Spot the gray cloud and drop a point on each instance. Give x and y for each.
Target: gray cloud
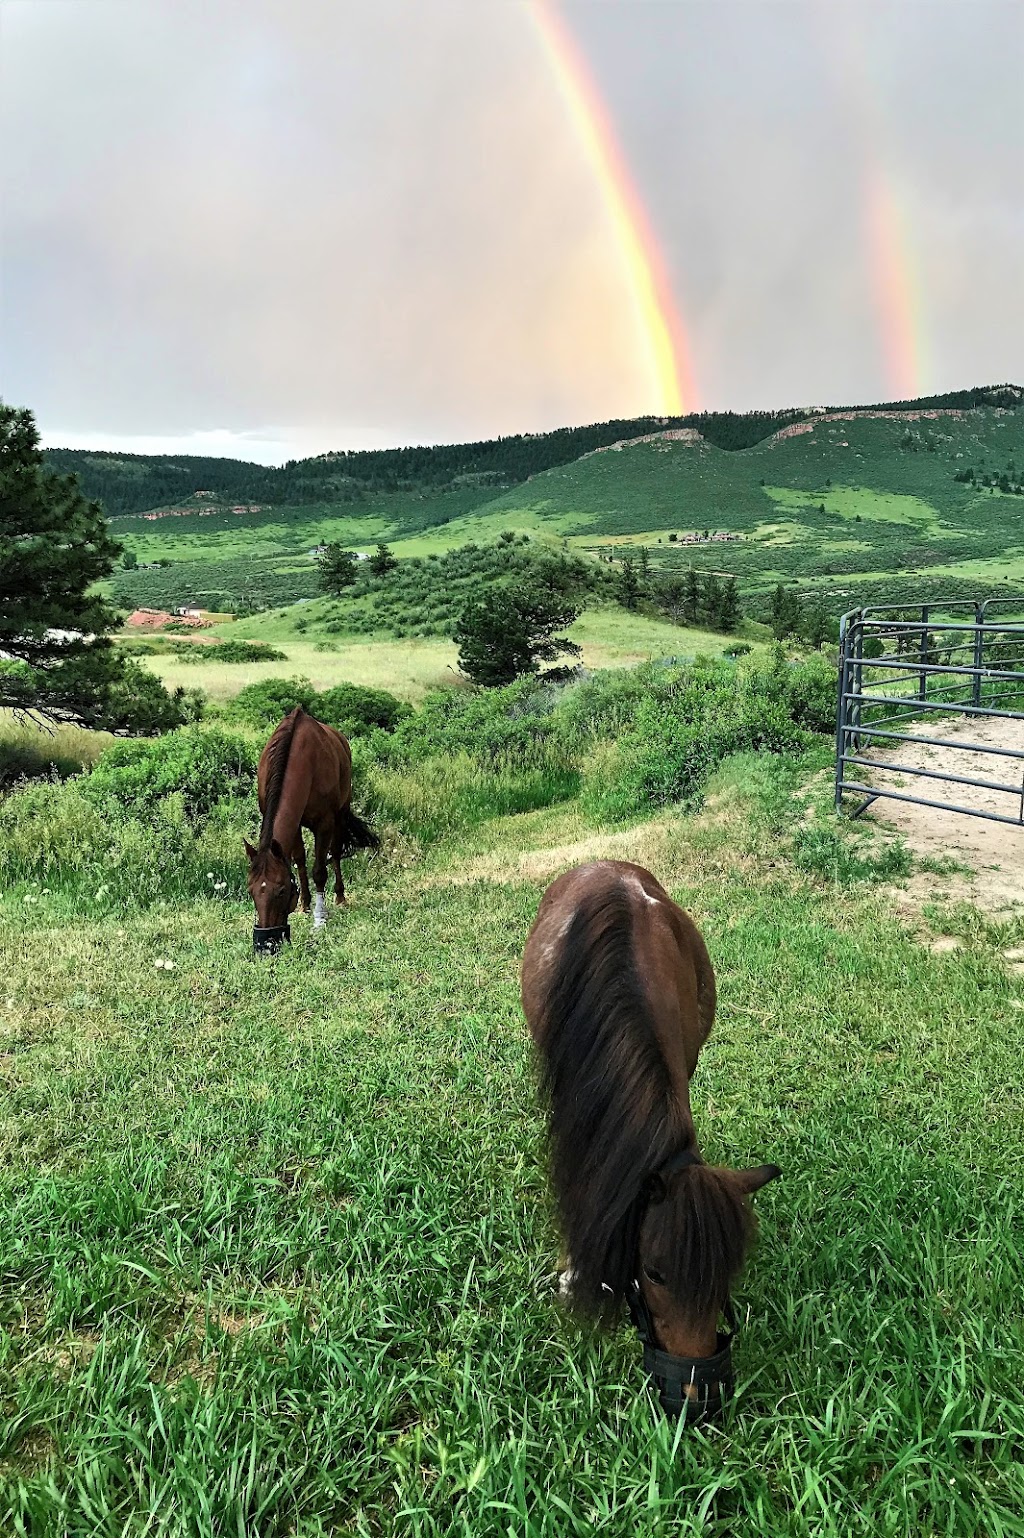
(333, 223)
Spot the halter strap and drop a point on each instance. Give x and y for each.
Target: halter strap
(710, 1377)
(679, 1161)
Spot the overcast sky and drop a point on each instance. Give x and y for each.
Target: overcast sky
(274, 227)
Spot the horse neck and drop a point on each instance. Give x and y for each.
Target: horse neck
(283, 816)
(287, 818)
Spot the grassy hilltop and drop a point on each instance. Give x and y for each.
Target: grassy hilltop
(924, 498)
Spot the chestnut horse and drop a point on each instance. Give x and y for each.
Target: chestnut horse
(619, 994)
(304, 780)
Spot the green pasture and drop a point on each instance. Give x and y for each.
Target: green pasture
(857, 503)
(277, 1251)
(610, 637)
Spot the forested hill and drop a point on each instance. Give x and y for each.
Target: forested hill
(137, 483)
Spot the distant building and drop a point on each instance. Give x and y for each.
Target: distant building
(156, 619)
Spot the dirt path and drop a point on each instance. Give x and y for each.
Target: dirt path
(992, 853)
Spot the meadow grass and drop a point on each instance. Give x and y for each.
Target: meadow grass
(277, 1253)
(29, 747)
(610, 637)
(408, 668)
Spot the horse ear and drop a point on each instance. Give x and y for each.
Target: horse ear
(276, 850)
(752, 1180)
(250, 851)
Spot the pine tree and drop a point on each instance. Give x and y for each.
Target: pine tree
(382, 561)
(691, 603)
(54, 628)
(729, 611)
(786, 615)
(816, 625)
(644, 567)
(711, 601)
(508, 633)
(337, 569)
(671, 595)
(629, 587)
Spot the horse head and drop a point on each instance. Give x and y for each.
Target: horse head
(692, 1242)
(273, 889)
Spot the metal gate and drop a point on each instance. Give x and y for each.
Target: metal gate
(908, 678)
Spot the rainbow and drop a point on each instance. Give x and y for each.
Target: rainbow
(894, 274)
(897, 290)
(659, 320)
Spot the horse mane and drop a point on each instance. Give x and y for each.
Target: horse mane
(278, 752)
(614, 1121)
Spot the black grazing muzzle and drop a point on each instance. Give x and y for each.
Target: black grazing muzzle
(710, 1379)
(267, 942)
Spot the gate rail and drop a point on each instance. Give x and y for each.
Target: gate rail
(961, 666)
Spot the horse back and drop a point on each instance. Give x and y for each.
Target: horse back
(312, 763)
(616, 903)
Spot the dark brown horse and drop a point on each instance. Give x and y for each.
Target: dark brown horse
(619, 993)
(304, 780)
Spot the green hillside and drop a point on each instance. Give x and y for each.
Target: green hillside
(879, 502)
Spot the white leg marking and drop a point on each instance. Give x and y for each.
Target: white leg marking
(319, 911)
(566, 1280)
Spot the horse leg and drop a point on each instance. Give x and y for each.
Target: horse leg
(339, 880)
(299, 856)
(321, 844)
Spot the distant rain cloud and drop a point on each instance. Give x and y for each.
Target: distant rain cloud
(274, 228)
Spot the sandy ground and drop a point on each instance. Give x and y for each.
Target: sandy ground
(991, 853)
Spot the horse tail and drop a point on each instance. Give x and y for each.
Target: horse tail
(611, 1118)
(353, 833)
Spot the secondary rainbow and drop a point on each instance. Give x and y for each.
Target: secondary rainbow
(897, 290)
(893, 269)
(658, 316)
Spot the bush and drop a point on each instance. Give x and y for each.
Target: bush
(227, 651)
(264, 704)
(357, 711)
(681, 733)
(484, 724)
(349, 708)
(203, 767)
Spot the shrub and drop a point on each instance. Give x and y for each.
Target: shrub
(264, 704)
(349, 708)
(203, 767)
(482, 723)
(227, 651)
(680, 734)
(357, 711)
